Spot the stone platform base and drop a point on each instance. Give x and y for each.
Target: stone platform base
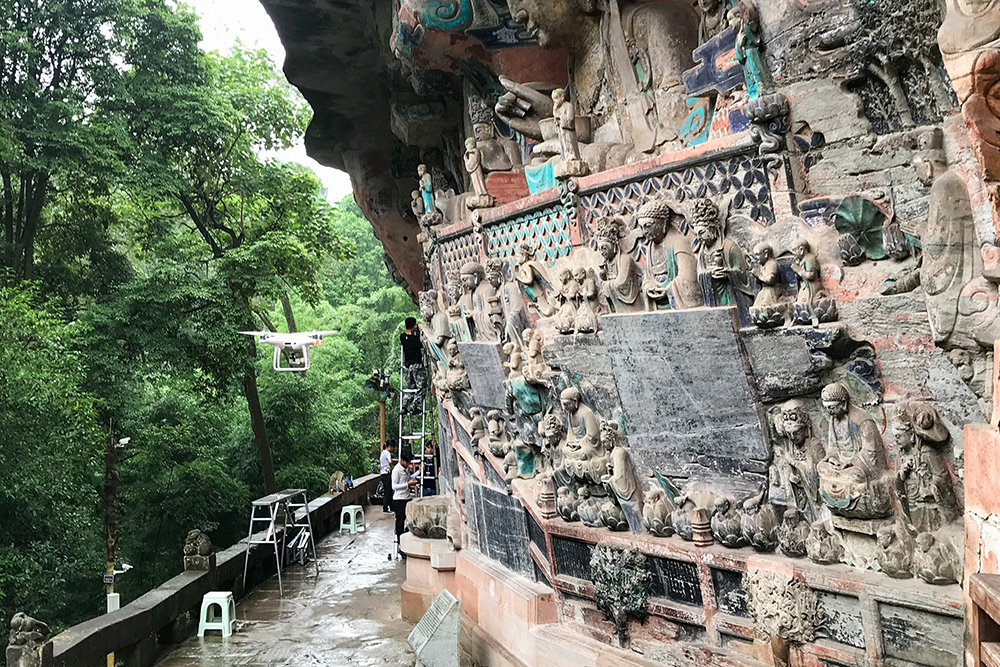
(430, 568)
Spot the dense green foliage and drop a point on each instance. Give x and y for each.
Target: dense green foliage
(141, 231)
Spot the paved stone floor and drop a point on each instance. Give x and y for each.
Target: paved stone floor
(348, 616)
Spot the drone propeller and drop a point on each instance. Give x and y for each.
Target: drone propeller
(257, 333)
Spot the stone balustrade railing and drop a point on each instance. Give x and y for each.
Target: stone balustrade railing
(141, 631)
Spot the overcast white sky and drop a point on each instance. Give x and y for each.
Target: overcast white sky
(225, 21)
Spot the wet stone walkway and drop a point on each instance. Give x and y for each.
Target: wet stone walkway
(348, 616)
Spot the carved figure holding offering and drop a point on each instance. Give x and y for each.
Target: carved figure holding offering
(767, 310)
(723, 273)
(853, 475)
(525, 456)
(583, 457)
(565, 115)
(797, 457)
(670, 279)
(491, 293)
(922, 478)
(745, 19)
(531, 275)
(812, 305)
(619, 274)
(417, 204)
(474, 167)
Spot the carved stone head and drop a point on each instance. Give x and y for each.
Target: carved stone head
(428, 304)
(793, 422)
(886, 536)
(472, 274)
(608, 235)
(800, 249)
(705, 220)
(421, 170)
(655, 218)
(763, 252)
(570, 400)
(494, 272)
(791, 517)
(836, 400)
(454, 285)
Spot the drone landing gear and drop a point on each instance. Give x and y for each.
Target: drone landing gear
(298, 359)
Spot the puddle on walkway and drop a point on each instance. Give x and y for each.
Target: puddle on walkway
(348, 616)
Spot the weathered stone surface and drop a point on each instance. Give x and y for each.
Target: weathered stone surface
(572, 557)
(840, 618)
(485, 368)
(730, 593)
(581, 361)
(789, 362)
(428, 517)
(689, 410)
(940, 637)
(501, 529)
(675, 580)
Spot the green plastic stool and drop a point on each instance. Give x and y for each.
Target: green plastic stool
(224, 620)
(349, 519)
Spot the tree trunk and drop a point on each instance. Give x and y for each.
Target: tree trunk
(937, 84)
(286, 306)
(257, 424)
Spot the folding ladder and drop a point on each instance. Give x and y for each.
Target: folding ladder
(281, 511)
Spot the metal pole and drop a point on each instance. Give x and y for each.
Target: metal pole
(110, 519)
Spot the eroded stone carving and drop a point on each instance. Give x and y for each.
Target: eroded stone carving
(726, 524)
(936, 561)
(197, 551)
(923, 481)
(497, 436)
(824, 545)
(656, 513)
(759, 523)
(533, 278)
(796, 457)
(570, 164)
(793, 534)
(627, 62)
(895, 551)
(622, 585)
(27, 632)
(783, 609)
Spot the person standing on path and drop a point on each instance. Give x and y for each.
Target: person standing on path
(385, 470)
(414, 373)
(402, 484)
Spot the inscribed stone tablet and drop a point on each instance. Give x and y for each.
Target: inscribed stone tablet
(730, 594)
(435, 637)
(675, 580)
(940, 637)
(688, 407)
(502, 529)
(485, 368)
(841, 619)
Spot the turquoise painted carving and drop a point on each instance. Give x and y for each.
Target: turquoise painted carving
(445, 15)
(547, 229)
(540, 178)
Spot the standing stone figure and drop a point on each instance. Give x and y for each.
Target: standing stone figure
(569, 144)
(426, 188)
(767, 310)
(796, 459)
(619, 274)
(671, 273)
(723, 273)
(714, 18)
(474, 167)
(812, 305)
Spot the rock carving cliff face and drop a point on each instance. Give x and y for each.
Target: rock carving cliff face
(338, 56)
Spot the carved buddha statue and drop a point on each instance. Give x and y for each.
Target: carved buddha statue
(626, 62)
(671, 273)
(583, 457)
(852, 477)
(723, 272)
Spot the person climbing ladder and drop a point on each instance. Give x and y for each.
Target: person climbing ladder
(414, 372)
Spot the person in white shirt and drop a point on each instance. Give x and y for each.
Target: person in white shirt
(385, 470)
(403, 481)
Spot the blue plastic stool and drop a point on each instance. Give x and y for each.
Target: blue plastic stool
(349, 518)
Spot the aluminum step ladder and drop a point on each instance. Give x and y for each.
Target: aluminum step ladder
(284, 511)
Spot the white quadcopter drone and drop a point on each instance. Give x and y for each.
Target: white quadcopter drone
(295, 345)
